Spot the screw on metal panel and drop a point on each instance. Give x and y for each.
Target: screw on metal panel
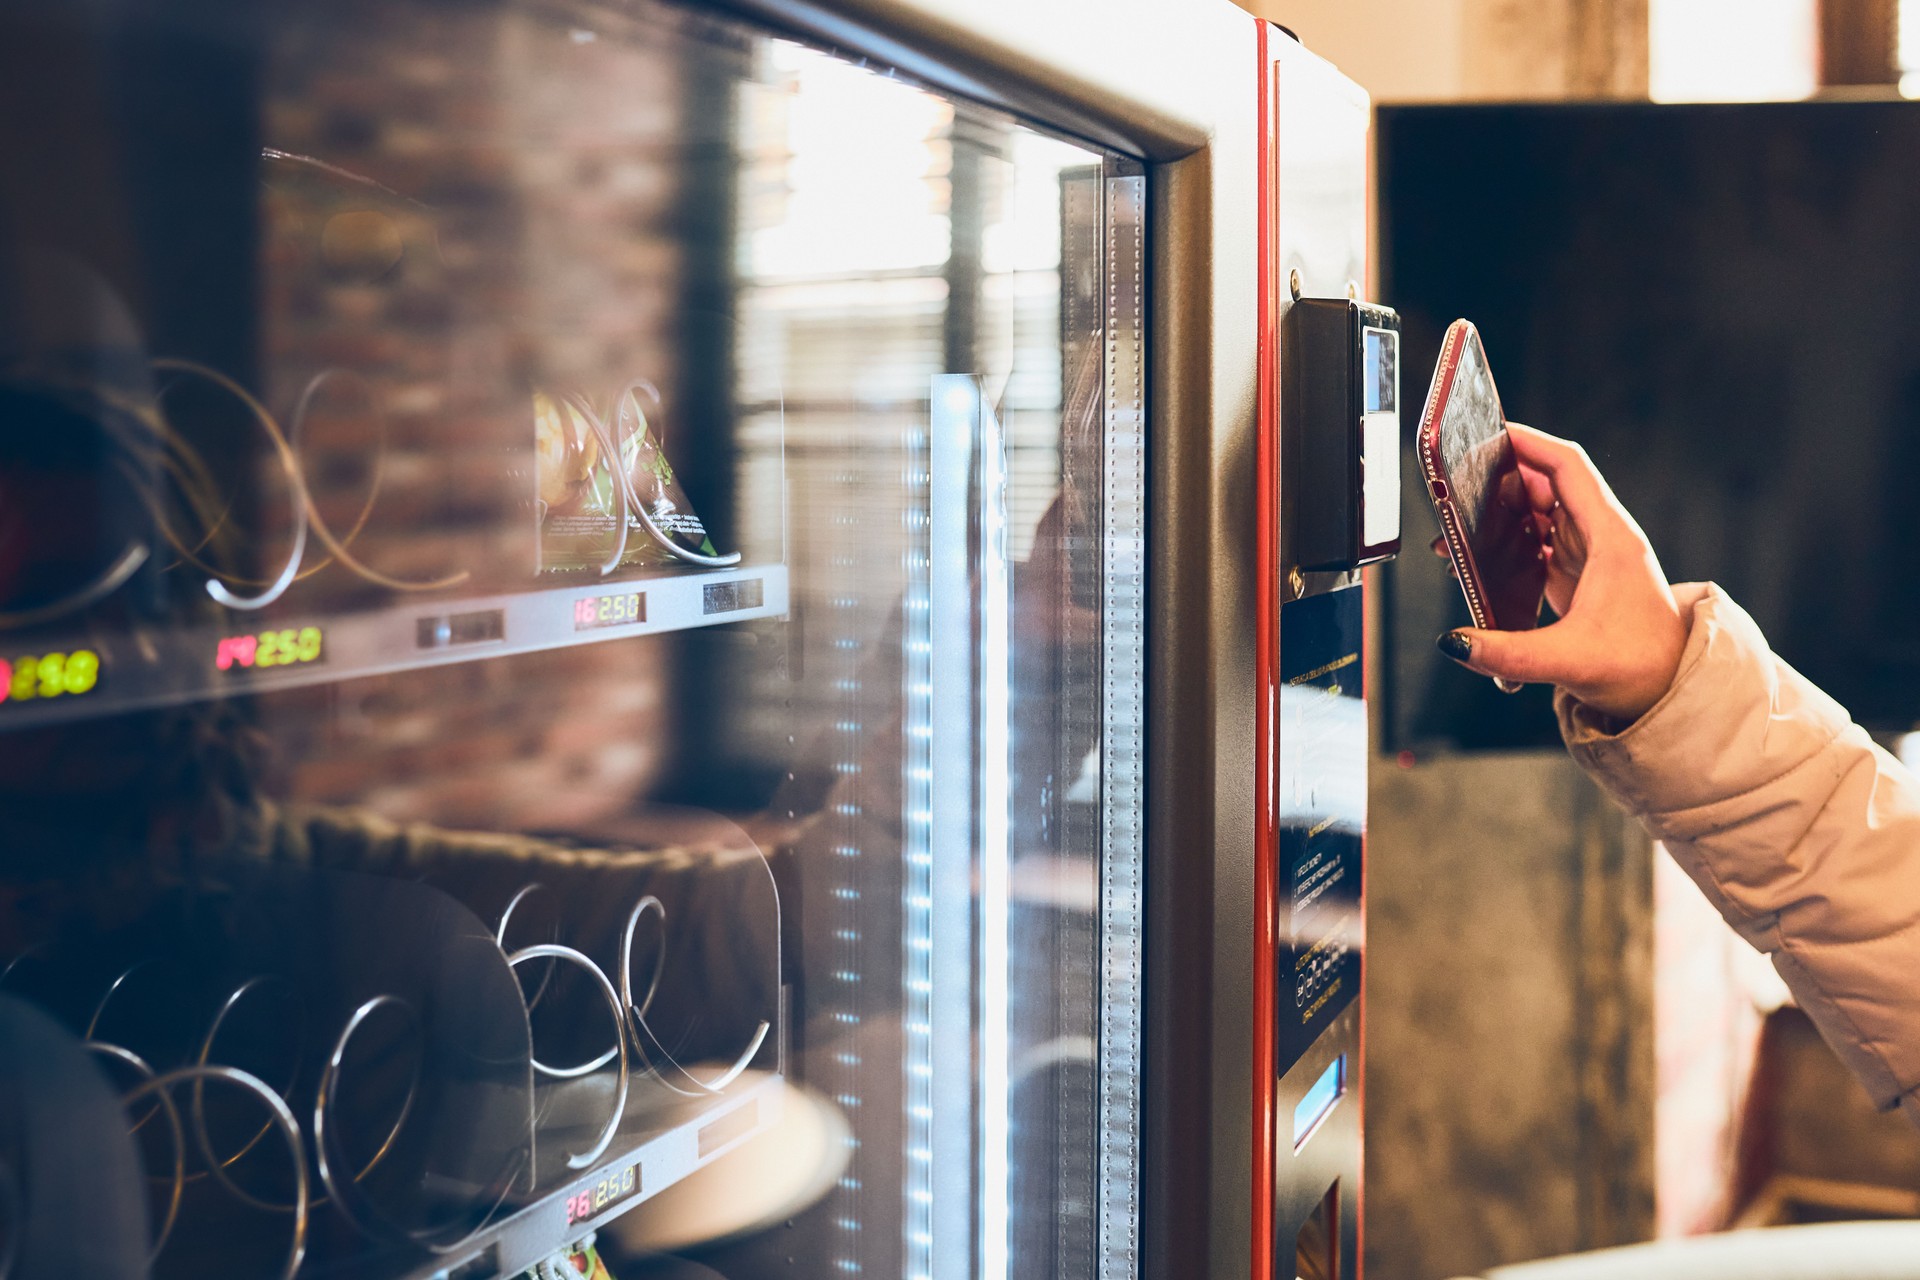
(1293, 283)
(1296, 581)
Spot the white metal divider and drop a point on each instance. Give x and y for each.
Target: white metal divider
(1123, 719)
(995, 854)
(957, 1072)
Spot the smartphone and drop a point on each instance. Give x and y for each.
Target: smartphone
(1467, 460)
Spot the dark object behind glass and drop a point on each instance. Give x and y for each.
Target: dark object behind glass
(1715, 301)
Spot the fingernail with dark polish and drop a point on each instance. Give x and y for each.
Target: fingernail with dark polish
(1456, 645)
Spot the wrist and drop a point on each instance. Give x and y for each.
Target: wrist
(1621, 703)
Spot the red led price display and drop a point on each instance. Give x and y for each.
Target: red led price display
(51, 675)
(609, 611)
(612, 1189)
(288, 648)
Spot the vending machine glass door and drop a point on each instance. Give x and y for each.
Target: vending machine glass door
(572, 601)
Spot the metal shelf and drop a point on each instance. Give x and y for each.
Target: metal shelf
(169, 668)
(657, 1160)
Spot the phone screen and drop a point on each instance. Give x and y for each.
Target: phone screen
(1477, 458)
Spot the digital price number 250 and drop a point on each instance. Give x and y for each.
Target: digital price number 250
(51, 675)
(287, 648)
(616, 1186)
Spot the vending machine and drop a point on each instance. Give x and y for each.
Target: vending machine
(682, 640)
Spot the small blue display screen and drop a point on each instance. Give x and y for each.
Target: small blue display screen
(1318, 1100)
(1380, 370)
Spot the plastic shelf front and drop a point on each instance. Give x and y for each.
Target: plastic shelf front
(656, 1161)
(48, 678)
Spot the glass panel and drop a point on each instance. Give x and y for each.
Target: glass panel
(571, 652)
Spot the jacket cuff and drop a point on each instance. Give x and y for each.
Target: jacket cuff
(1734, 718)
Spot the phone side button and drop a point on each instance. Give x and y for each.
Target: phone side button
(1439, 489)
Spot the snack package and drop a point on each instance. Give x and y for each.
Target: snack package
(581, 1262)
(608, 498)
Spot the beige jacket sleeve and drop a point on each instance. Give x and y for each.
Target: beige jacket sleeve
(1801, 831)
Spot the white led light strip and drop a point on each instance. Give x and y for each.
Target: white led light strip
(940, 1081)
(916, 907)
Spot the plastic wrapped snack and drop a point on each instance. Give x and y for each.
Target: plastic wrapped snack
(608, 496)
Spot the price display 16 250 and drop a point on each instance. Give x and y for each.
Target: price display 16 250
(285, 648)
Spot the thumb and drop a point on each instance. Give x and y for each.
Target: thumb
(1548, 654)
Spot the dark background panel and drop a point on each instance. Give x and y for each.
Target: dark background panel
(1718, 302)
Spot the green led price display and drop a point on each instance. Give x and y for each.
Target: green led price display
(51, 675)
(609, 611)
(288, 648)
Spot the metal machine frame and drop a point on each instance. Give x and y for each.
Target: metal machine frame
(1191, 90)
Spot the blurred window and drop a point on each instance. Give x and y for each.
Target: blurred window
(1734, 50)
(1909, 52)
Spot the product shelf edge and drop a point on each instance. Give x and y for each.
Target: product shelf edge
(170, 668)
(539, 1230)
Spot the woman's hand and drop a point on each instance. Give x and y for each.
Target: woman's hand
(1621, 628)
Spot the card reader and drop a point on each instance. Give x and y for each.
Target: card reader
(1340, 409)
